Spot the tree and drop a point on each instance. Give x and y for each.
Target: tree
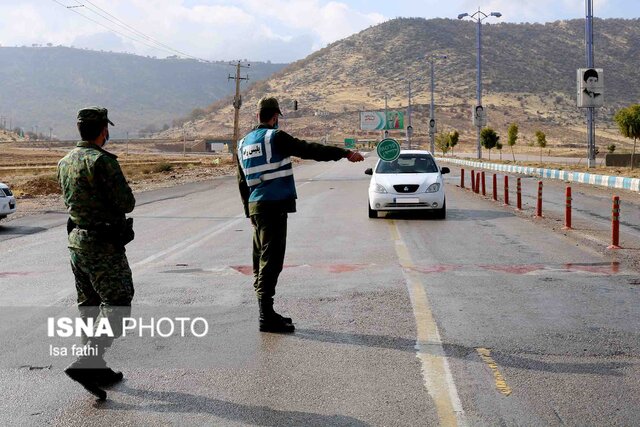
(611, 148)
(488, 139)
(541, 139)
(512, 138)
(499, 148)
(628, 121)
(453, 139)
(442, 142)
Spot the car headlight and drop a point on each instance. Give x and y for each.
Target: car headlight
(433, 188)
(379, 189)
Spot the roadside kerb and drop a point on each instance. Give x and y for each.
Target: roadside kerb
(620, 182)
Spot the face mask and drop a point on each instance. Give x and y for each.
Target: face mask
(106, 139)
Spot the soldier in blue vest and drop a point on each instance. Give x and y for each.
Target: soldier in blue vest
(267, 188)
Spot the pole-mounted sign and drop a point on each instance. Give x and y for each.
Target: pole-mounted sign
(590, 86)
(432, 126)
(479, 116)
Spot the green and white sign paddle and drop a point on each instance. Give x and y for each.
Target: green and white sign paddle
(388, 150)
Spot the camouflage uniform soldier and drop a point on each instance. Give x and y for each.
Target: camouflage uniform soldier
(97, 197)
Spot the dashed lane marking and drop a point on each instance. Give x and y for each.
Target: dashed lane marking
(501, 383)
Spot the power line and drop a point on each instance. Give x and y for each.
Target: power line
(129, 28)
(134, 37)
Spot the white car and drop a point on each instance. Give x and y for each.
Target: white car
(7, 201)
(411, 182)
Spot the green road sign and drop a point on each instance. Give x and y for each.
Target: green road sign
(388, 150)
(349, 143)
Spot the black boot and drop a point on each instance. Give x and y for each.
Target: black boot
(106, 377)
(86, 378)
(270, 321)
(284, 319)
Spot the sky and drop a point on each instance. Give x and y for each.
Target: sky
(258, 30)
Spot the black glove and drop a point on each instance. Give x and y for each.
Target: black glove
(128, 234)
(70, 225)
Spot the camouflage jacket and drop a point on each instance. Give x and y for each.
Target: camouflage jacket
(95, 192)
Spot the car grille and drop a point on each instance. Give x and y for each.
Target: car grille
(408, 205)
(406, 188)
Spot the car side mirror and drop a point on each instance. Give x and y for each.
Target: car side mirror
(445, 170)
(368, 171)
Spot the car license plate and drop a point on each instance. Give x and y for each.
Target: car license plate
(407, 200)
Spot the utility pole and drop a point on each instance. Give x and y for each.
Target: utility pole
(184, 142)
(127, 143)
(591, 133)
(432, 107)
(237, 103)
(385, 132)
(409, 127)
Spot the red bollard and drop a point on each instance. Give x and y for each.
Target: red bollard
(519, 194)
(539, 204)
(473, 180)
(506, 190)
(461, 178)
(615, 224)
(484, 186)
(567, 211)
(495, 187)
(477, 189)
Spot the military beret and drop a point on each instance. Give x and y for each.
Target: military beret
(90, 114)
(269, 102)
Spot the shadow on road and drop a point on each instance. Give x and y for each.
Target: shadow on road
(463, 352)
(466, 214)
(452, 215)
(19, 230)
(178, 402)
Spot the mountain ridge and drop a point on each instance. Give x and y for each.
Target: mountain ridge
(45, 86)
(529, 76)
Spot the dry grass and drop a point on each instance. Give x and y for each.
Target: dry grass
(31, 171)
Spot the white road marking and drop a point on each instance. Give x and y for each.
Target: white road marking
(435, 367)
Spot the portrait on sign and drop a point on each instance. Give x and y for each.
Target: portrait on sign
(590, 85)
(478, 116)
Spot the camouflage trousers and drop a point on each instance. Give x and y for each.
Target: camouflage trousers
(105, 290)
(102, 278)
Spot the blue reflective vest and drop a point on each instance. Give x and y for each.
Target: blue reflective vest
(269, 175)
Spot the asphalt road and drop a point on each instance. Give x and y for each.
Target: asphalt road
(486, 318)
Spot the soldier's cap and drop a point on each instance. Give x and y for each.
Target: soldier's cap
(93, 114)
(269, 102)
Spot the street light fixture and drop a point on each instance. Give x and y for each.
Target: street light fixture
(432, 117)
(479, 16)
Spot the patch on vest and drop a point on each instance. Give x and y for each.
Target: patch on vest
(251, 151)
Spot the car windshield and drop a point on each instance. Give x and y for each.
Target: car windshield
(409, 163)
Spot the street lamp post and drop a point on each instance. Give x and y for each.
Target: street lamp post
(409, 126)
(479, 16)
(591, 138)
(432, 108)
